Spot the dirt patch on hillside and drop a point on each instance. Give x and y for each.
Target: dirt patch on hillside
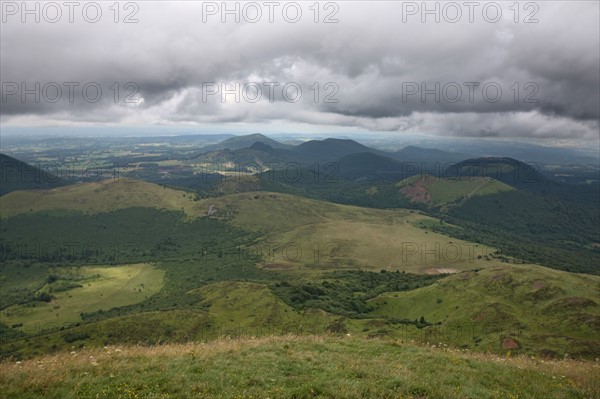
(441, 270)
(544, 291)
(417, 191)
(466, 275)
(501, 277)
(500, 280)
(539, 284)
(510, 343)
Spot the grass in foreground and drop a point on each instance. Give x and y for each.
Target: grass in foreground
(292, 367)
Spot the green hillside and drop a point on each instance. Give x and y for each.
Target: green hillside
(530, 227)
(294, 230)
(107, 195)
(440, 191)
(528, 310)
(183, 268)
(303, 231)
(17, 175)
(239, 142)
(69, 292)
(519, 308)
(329, 149)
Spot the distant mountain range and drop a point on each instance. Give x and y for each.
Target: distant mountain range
(356, 161)
(242, 149)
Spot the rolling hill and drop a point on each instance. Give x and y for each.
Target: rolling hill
(507, 170)
(435, 191)
(239, 142)
(16, 175)
(317, 232)
(263, 262)
(329, 150)
(500, 202)
(525, 176)
(255, 158)
(520, 308)
(104, 196)
(325, 233)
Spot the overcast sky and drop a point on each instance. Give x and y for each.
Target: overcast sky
(370, 68)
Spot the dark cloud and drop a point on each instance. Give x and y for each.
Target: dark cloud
(371, 56)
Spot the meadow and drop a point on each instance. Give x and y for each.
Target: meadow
(515, 307)
(326, 366)
(342, 236)
(98, 197)
(443, 191)
(182, 268)
(72, 291)
(318, 233)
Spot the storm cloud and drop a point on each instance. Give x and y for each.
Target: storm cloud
(530, 71)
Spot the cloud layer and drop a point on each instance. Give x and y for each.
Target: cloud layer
(380, 67)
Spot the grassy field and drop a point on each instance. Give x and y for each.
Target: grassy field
(296, 231)
(247, 305)
(283, 278)
(444, 191)
(514, 307)
(16, 283)
(223, 309)
(381, 244)
(294, 367)
(104, 196)
(87, 289)
(300, 231)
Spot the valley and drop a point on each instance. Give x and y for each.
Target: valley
(350, 251)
